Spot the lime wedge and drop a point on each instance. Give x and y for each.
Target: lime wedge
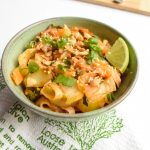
(118, 55)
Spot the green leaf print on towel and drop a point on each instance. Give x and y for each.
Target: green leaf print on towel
(87, 132)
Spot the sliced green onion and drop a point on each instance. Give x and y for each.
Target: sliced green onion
(67, 81)
(61, 67)
(46, 40)
(31, 44)
(62, 42)
(93, 40)
(110, 97)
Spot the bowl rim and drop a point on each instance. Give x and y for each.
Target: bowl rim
(63, 115)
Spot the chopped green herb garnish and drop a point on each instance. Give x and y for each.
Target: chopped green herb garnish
(67, 81)
(61, 67)
(33, 93)
(56, 44)
(33, 67)
(46, 40)
(86, 44)
(62, 42)
(93, 40)
(85, 100)
(31, 44)
(110, 97)
(66, 65)
(31, 96)
(95, 48)
(91, 57)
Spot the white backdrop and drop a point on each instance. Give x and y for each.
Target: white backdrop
(17, 14)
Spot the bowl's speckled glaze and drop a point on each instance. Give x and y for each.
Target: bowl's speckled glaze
(16, 46)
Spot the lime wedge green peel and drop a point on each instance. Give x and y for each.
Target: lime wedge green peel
(118, 55)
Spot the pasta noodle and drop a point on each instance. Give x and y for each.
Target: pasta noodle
(37, 79)
(93, 105)
(69, 109)
(25, 56)
(53, 92)
(71, 94)
(45, 103)
(65, 70)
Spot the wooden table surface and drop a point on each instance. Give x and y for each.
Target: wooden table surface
(136, 6)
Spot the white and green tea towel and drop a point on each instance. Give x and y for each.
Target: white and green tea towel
(22, 129)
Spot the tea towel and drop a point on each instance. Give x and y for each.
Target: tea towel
(22, 129)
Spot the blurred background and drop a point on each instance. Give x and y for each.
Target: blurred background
(137, 6)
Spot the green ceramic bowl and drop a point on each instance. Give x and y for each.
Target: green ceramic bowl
(16, 46)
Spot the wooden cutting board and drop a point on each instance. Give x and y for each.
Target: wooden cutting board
(137, 6)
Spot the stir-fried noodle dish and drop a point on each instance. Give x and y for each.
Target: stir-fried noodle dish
(65, 70)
